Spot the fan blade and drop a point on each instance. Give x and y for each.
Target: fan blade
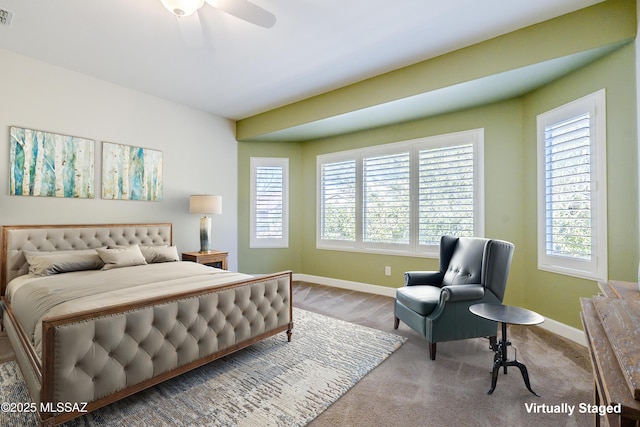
(246, 11)
(191, 30)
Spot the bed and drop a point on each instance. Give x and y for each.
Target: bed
(91, 323)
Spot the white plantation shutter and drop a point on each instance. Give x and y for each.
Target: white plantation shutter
(446, 193)
(568, 188)
(572, 198)
(338, 201)
(269, 197)
(386, 199)
(401, 198)
(269, 202)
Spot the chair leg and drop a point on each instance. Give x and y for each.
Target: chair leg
(396, 323)
(493, 343)
(432, 350)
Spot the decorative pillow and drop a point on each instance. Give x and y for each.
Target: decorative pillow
(121, 257)
(153, 254)
(49, 263)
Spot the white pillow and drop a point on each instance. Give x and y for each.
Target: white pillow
(153, 254)
(121, 257)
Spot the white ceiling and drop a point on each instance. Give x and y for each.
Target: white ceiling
(242, 69)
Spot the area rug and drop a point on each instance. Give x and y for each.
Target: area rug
(271, 383)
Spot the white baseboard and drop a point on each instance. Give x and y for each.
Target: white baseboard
(565, 331)
(569, 332)
(346, 284)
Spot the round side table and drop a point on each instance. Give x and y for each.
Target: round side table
(506, 314)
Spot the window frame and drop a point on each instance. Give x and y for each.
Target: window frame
(255, 241)
(475, 137)
(596, 267)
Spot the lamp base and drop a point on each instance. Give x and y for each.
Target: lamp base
(205, 234)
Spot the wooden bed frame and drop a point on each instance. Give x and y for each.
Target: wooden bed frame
(45, 383)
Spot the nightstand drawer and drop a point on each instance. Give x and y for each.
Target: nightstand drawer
(214, 258)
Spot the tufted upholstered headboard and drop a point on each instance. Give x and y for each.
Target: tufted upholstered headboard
(17, 238)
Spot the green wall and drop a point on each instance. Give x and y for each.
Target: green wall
(510, 161)
(270, 260)
(615, 73)
(510, 191)
(503, 192)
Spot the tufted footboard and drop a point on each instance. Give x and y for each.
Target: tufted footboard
(102, 356)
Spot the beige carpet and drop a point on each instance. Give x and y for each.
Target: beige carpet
(410, 390)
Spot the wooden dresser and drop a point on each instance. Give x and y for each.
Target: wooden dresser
(612, 327)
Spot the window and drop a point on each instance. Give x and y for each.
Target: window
(446, 193)
(572, 204)
(338, 199)
(386, 198)
(402, 197)
(269, 202)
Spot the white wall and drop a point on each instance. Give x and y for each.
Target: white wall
(199, 150)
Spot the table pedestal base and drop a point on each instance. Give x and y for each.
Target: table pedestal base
(500, 360)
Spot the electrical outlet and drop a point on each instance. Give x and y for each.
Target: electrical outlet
(387, 270)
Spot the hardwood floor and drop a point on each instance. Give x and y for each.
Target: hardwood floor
(375, 311)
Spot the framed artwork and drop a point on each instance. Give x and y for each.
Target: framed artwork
(131, 173)
(50, 165)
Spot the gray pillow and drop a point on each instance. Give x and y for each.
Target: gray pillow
(49, 263)
(121, 257)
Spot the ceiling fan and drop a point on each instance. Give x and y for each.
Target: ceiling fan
(189, 21)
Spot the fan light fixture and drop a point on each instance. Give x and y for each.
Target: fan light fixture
(182, 7)
(241, 9)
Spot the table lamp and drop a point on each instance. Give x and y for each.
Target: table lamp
(205, 204)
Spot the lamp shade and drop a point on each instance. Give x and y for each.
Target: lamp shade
(205, 204)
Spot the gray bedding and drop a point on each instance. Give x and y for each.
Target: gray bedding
(36, 298)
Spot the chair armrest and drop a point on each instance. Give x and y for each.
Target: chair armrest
(423, 278)
(455, 293)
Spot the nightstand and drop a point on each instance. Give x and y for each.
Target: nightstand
(214, 258)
